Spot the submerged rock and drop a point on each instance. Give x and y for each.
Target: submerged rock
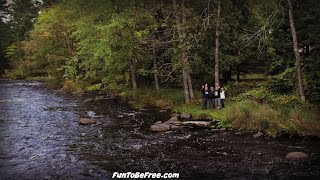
(297, 156)
(215, 130)
(185, 116)
(99, 98)
(86, 121)
(87, 100)
(259, 134)
(159, 127)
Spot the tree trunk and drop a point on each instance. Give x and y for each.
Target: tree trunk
(296, 52)
(184, 54)
(186, 66)
(191, 94)
(238, 73)
(217, 46)
(181, 26)
(133, 75)
(155, 66)
(151, 6)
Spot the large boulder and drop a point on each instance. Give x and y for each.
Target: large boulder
(297, 156)
(185, 116)
(196, 123)
(86, 121)
(159, 127)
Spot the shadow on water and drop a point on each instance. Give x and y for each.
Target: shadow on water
(41, 139)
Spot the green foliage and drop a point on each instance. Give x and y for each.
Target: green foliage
(15, 74)
(71, 86)
(312, 74)
(97, 42)
(262, 95)
(95, 87)
(235, 88)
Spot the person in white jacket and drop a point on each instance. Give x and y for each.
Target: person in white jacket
(222, 97)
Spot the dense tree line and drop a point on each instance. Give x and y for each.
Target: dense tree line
(115, 44)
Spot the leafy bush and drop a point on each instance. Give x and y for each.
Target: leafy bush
(15, 74)
(261, 95)
(71, 86)
(94, 87)
(236, 88)
(280, 86)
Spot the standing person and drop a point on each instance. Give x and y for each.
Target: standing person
(222, 97)
(211, 97)
(217, 97)
(205, 96)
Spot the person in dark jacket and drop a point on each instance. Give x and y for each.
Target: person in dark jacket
(205, 96)
(211, 97)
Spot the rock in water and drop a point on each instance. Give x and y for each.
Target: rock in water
(158, 122)
(259, 134)
(185, 116)
(172, 120)
(175, 115)
(86, 121)
(297, 156)
(159, 127)
(197, 123)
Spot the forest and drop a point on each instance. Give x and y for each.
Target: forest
(266, 54)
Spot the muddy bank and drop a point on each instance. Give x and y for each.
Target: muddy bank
(41, 139)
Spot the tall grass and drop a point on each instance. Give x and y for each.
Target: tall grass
(250, 115)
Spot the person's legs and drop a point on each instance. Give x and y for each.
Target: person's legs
(219, 103)
(216, 101)
(222, 102)
(205, 103)
(211, 103)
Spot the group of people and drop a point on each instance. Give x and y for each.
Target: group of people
(215, 97)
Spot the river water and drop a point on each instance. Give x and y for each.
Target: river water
(40, 138)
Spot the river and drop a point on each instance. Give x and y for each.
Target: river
(40, 138)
